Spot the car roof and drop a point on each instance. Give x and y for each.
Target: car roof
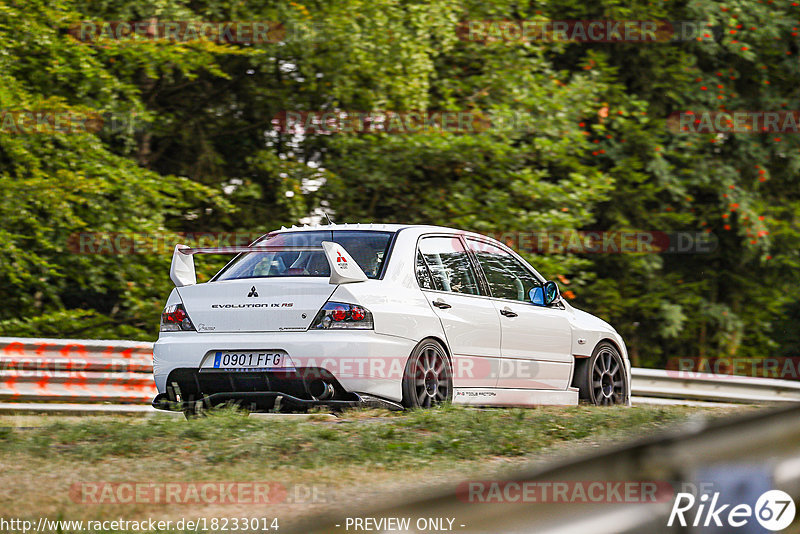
(415, 230)
(377, 227)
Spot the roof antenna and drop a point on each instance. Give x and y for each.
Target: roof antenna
(330, 222)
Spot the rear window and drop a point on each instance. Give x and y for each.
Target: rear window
(369, 249)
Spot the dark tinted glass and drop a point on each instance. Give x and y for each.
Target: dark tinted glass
(423, 275)
(368, 249)
(449, 265)
(507, 277)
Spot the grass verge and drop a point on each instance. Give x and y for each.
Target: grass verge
(345, 460)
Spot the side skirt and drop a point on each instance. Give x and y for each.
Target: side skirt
(515, 397)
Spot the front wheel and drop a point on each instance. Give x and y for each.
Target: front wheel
(428, 377)
(601, 378)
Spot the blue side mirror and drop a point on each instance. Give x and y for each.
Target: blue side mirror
(536, 295)
(551, 292)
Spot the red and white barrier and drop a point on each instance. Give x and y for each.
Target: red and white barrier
(70, 370)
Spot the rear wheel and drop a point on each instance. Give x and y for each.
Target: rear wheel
(601, 378)
(428, 377)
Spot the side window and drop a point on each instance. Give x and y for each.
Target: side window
(449, 265)
(423, 276)
(507, 277)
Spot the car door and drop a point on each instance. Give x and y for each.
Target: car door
(536, 340)
(449, 280)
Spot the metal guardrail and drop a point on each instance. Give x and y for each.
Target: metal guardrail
(740, 457)
(689, 385)
(91, 370)
(76, 370)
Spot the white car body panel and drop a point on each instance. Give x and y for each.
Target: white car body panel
(540, 337)
(515, 397)
(275, 307)
(473, 334)
(483, 344)
(364, 361)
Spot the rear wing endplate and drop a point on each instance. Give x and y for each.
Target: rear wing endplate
(181, 272)
(344, 269)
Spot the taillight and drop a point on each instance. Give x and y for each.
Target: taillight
(174, 319)
(338, 315)
(357, 313)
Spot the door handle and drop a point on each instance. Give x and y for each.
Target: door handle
(439, 303)
(507, 312)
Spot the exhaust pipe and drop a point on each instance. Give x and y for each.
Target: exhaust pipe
(321, 390)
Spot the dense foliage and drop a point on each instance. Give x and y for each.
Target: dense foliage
(192, 147)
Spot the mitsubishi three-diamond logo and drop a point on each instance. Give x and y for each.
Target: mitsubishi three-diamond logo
(341, 261)
(253, 292)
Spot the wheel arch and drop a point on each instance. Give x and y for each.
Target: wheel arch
(441, 342)
(613, 342)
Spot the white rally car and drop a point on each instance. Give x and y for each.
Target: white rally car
(399, 315)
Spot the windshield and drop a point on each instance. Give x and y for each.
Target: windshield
(369, 249)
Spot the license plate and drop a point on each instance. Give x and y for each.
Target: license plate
(251, 360)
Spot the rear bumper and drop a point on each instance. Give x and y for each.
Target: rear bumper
(360, 361)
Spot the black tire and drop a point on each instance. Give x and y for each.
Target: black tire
(428, 377)
(601, 379)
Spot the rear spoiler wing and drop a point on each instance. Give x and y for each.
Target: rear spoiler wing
(344, 269)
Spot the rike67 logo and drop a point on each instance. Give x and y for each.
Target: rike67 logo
(774, 510)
